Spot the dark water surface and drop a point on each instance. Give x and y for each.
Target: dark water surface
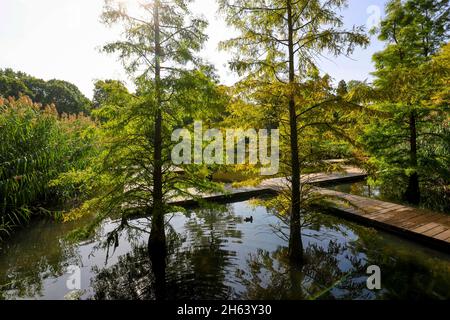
(215, 254)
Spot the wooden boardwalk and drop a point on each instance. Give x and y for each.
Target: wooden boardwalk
(350, 174)
(430, 228)
(272, 186)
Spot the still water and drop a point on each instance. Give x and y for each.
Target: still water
(362, 188)
(215, 254)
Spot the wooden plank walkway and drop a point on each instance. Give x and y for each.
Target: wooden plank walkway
(271, 186)
(428, 227)
(349, 174)
(425, 226)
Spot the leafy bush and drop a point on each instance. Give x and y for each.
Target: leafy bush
(40, 154)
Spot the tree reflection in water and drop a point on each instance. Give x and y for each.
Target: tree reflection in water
(271, 276)
(195, 266)
(215, 254)
(211, 256)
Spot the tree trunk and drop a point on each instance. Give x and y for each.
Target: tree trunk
(295, 241)
(157, 234)
(158, 266)
(412, 194)
(296, 278)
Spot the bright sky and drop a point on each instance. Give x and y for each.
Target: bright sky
(60, 39)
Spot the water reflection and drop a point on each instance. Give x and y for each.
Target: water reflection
(407, 273)
(196, 266)
(215, 254)
(213, 258)
(32, 256)
(271, 276)
(362, 188)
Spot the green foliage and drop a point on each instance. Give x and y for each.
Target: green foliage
(124, 169)
(276, 51)
(413, 30)
(37, 147)
(262, 45)
(181, 35)
(342, 88)
(103, 91)
(64, 95)
(408, 144)
(174, 88)
(261, 99)
(328, 125)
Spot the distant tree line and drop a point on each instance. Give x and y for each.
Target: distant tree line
(64, 95)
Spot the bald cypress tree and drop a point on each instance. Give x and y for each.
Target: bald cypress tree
(159, 41)
(280, 40)
(414, 31)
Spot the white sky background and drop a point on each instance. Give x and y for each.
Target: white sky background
(61, 39)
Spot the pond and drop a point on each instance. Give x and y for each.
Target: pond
(362, 188)
(216, 254)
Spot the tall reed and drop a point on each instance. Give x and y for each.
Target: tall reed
(38, 146)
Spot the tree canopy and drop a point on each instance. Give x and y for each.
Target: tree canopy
(64, 95)
(409, 143)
